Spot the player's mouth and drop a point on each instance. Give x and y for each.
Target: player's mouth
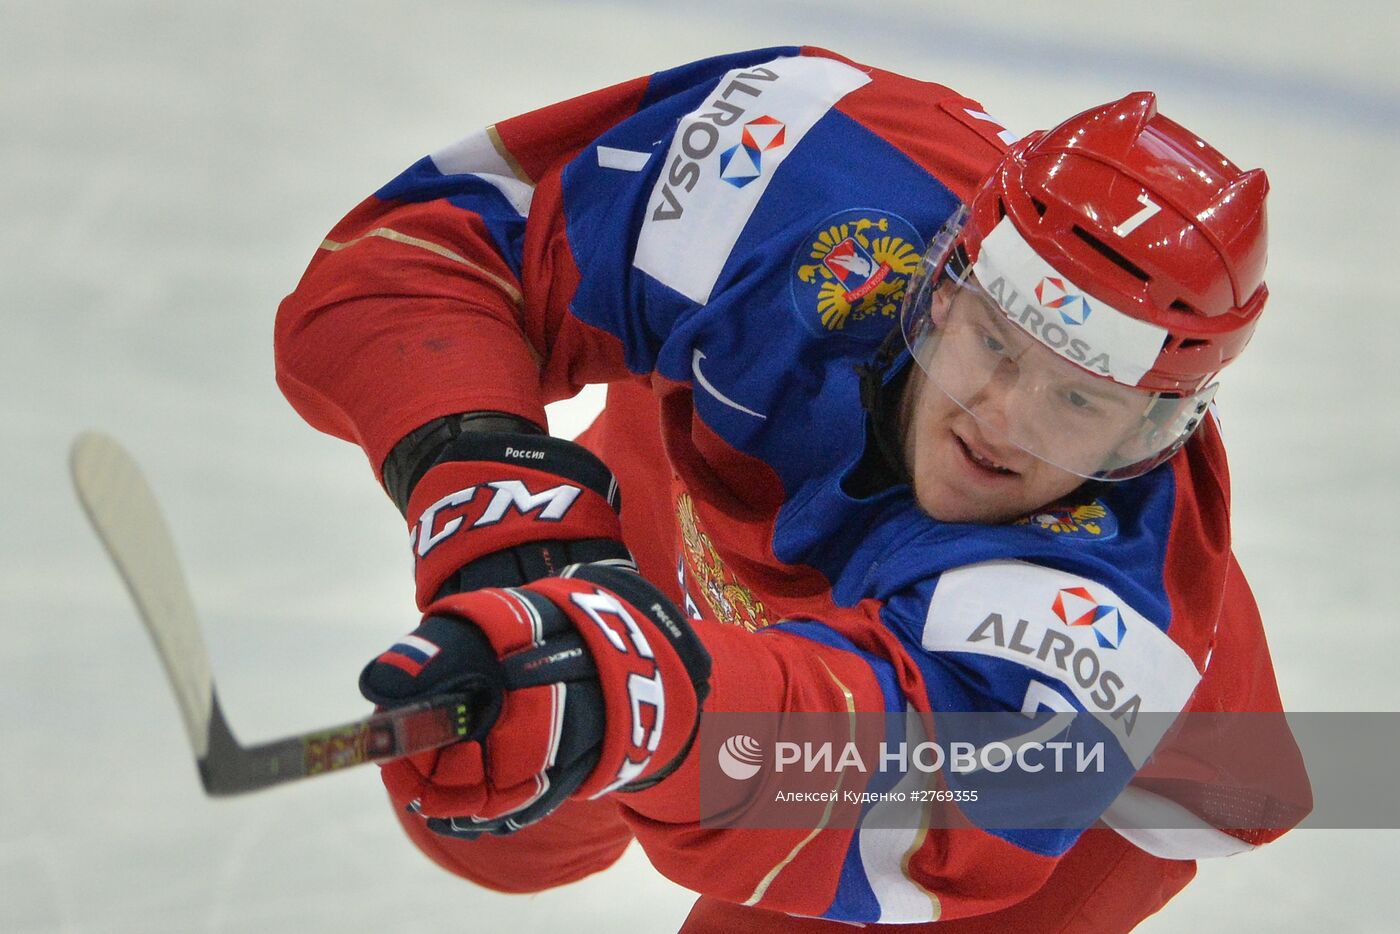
(982, 463)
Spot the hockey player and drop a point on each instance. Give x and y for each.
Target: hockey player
(878, 373)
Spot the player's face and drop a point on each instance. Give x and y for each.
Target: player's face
(963, 460)
(961, 473)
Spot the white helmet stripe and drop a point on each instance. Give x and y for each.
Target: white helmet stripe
(1055, 311)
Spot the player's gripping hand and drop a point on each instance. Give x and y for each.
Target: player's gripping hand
(499, 509)
(580, 685)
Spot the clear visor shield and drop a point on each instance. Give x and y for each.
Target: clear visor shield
(1009, 359)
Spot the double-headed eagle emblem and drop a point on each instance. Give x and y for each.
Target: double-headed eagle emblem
(860, 270)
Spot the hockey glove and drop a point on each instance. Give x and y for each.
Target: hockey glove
(580, 685)
(499, 509)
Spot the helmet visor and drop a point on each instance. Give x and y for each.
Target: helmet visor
(1020, 386)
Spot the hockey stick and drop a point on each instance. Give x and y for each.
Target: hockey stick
(124, 513)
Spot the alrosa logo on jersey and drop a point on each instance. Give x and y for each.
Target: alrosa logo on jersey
(699, 137)
(1071, 662)
(1076, 606)
(444, 518)
(1060, 628)
(741, 164)
(721, 159)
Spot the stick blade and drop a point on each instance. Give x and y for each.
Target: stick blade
(126, 517)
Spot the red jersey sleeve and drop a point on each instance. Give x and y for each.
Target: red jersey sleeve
(447, 290)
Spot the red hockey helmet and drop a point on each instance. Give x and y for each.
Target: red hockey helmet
(1123, 244)
(1144, 215)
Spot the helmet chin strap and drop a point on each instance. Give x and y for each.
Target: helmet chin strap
(882, 381)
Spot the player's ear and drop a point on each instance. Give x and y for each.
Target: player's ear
(939, 303)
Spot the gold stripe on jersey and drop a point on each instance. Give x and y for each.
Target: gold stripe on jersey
(389, 233)
(508, 157)
(919, 838)
(762, 888)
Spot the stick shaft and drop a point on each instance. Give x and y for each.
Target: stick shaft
(231, 769)
(125, 515)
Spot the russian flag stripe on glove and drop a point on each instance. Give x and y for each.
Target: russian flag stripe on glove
(410, 654)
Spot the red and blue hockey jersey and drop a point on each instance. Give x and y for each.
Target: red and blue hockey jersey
(723, 244)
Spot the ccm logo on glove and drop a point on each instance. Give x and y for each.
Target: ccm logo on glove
(553, 504)
(646, 694)
(498, 510)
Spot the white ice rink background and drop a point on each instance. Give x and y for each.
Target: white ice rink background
(167, 169)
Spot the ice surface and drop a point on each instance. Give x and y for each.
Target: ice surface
(166, 170)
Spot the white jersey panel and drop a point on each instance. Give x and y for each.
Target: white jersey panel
(721, 160)
(889, 832)
(478, 155)
(1071, 631)
(1166, 829)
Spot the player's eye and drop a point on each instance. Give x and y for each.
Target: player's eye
(991, 344)
(1079, 403)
